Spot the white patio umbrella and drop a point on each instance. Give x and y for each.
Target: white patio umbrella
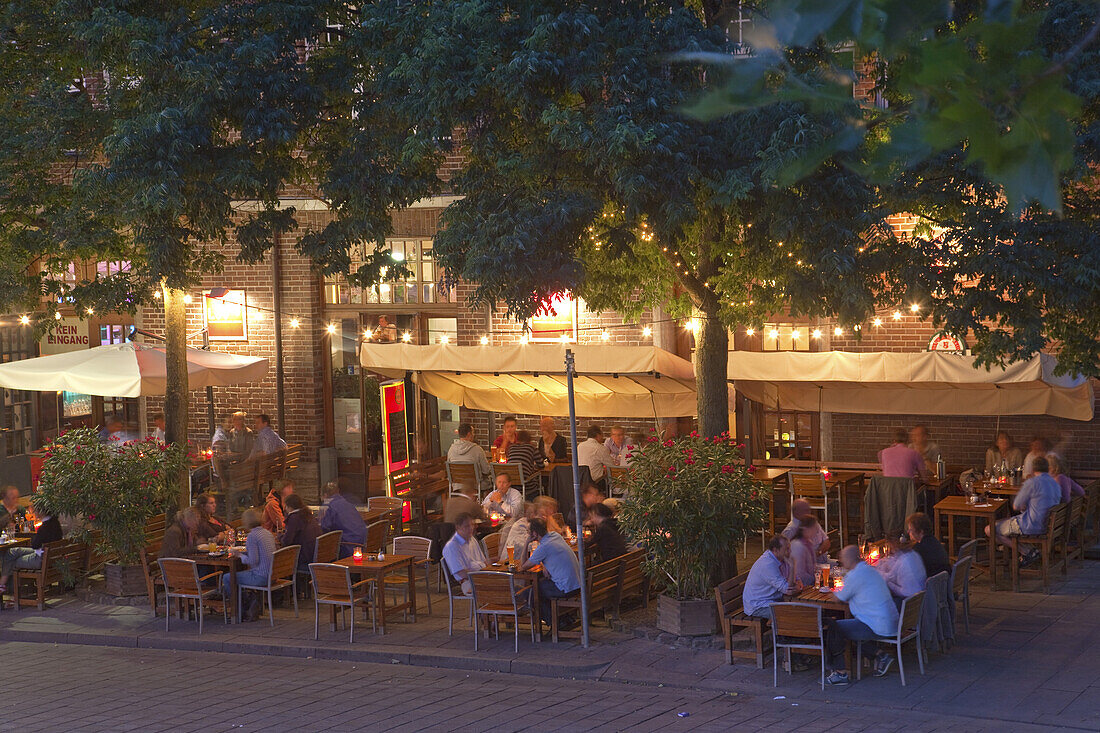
(126, 370)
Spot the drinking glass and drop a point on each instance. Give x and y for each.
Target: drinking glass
(862, 542)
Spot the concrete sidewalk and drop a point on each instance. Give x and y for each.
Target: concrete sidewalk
(1030, 657)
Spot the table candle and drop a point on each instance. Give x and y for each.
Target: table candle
(357, 555)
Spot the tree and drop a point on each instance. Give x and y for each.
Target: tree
(131, 132)
(582, 173)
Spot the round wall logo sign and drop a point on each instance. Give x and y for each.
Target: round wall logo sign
(943, 341)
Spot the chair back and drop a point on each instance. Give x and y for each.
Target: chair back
(960, 576)
(797, 620)
(327, 547)
(970, 549)
(1057, 521)
(389, 503)
(494, 589)
(634, 579)
(417, 547)
(617, 478)
(909, 618)
(450, 580)
(728, 594)
(939, 585)
(461, 475)
(155, 527)
(491, 543)
(284, 562)
(514, 472)
(809, 484)
(376, 536)
(180, 575)
(331, 580)
(603, 583)
(1076, 514)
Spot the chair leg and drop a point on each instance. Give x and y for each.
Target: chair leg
(450, 615)
(920, 655)
(758, 639)
(901, 662)
(294, 588)
(823, 666)
(428, 590)
(270, 607)
(554, 619)
(316, 618)
(859, 660)
(775, 670)
(351, 637)
(167, 605)
(199, 610)
(477, 631)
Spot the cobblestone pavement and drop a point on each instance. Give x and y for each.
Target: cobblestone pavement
(84, 688)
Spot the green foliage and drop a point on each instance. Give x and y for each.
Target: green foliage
(115, 488)
(690, 503)
(971, 76)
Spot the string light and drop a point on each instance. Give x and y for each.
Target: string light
(294, 323)
(817, 333)
(24, 320)
(750, 331)
(915, 307)
(331, 328)
(795, 334)
(897, 315)
(56, 316)
(406, 337)
(156, 294)
(647, 332)
(604, 335)
(773, 334)
(877, 322)
(484, 340)
(523, 340)
(444, 338)
(187, 298)
(367, 334)
(838, 331)
(564, 338)
(90, 311)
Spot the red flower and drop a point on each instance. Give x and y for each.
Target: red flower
(690, 462)
(751, 469)
(78, 462)
(91, 517)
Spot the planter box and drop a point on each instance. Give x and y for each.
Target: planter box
(125, 580)
(686, 618)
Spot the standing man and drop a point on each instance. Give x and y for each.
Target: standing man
(928, 450)
(616, 445)
(267, 440)
(1034, 500)
(552, 446)
(463, 553)
(465, 450)
(873, 614)
(594, 454)
(901, 461)
(560, 563)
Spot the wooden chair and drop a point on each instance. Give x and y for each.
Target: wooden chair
(454, 593)
(733, 619)
(495, 595)
(603, 581)
(461, 475)
(376, 536)
(326, 549)
(155, 527)
(491, 544)
(151, 568)
(94, 560)
(617, 478)
(960, 587)
(332, 587)
(634, 582)
(810, 485)
(1073, 542)
(1092, 513)
(62, 562)
(182, 582)
(796, 626)
(517, 476)
(284, 564)
(419, 548)
(1046, 543)
(392, 504)
(909, 627)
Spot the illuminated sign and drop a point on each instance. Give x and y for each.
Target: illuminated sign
(945, 342)
(68, 334)
(559, 321)
(395, 435)
(225, 318)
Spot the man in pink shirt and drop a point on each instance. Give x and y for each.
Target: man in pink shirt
(901, 461)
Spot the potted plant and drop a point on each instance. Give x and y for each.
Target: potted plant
(690, 503)
(115, 488)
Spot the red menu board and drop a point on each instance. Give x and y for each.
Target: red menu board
(395, 434)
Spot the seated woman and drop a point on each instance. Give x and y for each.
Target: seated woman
(803, 555)
(258, 555)
(1070, 488)
(210, 527)
(302, 528)
(547, 507)
(29, 558)
(182, 538)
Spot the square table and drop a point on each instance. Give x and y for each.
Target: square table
(228, 564)
(377, 571)
(957, 506)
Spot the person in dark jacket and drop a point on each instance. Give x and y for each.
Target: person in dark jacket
(931, 551)
(302, 528)
(29, 558)
(181, 539)
(606, 535)
(210, 527)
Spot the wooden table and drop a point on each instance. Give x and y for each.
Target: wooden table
(825, 599)
(373, 515)
(378, 571)
(938, 487)
(228, 564)
(771, 476)
(994, 487)
(532, 577)
(957, 506)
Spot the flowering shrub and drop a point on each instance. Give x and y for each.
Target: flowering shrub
(116, 488)
(689, 504)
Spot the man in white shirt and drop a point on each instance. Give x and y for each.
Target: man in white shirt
(874, 614)
(769, 579)
(504, 499)
(616, 444)
(463, 553)
(594, 454)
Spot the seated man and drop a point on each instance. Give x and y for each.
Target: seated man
(921, 443)
(463, 502)
(11, 513)
(594, 454)
(463, 553)
(504, 499)
(769, 579)
(901, 461)
(29, 558)
(560, 563)
(507, 435)
(259, 552)
(616, 445)
(874, 614)
(1034, 500)
(801, 513)
(267, 440)
(925, 544)
(903, 571)
(466, 450)
(606, 535)
(341, 514)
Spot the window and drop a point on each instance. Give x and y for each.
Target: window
(422, 285)
(790, 435)
(735, 31)
(16, 415)
(785, 337)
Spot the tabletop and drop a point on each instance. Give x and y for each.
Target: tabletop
(14, 542)
(845, 477)
(769, 475)
(822, 597)
(959, 505)
(391, 562)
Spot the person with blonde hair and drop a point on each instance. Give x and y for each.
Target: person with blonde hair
(259, 553)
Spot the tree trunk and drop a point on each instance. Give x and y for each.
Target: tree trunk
(711, 347)
(175, 391)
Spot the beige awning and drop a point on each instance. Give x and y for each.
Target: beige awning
(920, 383)
(612, 381)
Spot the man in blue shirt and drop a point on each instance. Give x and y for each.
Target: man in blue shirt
(769, 579)
(1034, 500)
(559, 561)
(874, 614)
(341, 514)
(267, 440)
